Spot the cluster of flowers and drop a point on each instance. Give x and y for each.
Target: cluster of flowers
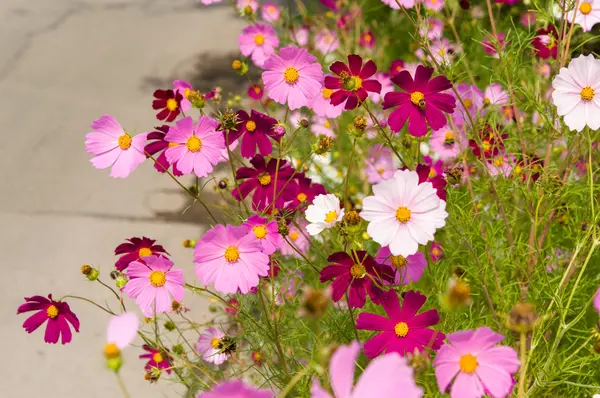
(292, 207)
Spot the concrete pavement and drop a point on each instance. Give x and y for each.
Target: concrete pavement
(63, 64)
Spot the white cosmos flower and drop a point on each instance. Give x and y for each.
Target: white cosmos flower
(403, 213)
(577, 93)
(324, 213)
(587, 15)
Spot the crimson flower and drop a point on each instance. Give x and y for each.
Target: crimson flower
(437, 180)
(546, 42)
(57, 313)
(169, 103)
(135, 249)
(307, 190)
(156, 359)
(159, 144)
(351, 84)
(255, 129)
(421, 103)
(492, 142)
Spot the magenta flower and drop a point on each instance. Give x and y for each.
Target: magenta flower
(477, 366)
(306, 191)
(156, 359)
(184, 88)
(235, 389)
(546, 42)
(380, 164)
(293, 77)
(351, 83)
(230, 258)
(406, 269)
(367, 39)
(113, 146)
(356, 275)
(396, 67)
(159, 144)
(270, 12)
(403, 331)
(255, 129)
(152, 283)
(57, 313)
(135, 249)
(448, 143)
(492, 47)
(427, 173)
(437, 252)
(259, 42)
(384, 377)
(262, 179)
(421, 103)
(169, 104)
(195, 149)
(255, 92)
(267, 233)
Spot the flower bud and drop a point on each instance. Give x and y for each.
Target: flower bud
(323, 145)
(418, 360)
(177, 349)
(360, 123)
(257, 357)
(304, 123)
(314, 302)
(228, 120)
(522, 318)
(193, 190)
(114, 274)
(197, 99)
(223, 184)
(90, 272)
(351, 218)
(121, 281)
(279, 130)
(170, 326)
(241, 68)
(189, 243)
(247, 11)
(283, 229)
(114, 364)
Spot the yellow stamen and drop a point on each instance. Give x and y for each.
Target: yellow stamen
(399, 261)
(215, 343)
(585, 8)
(498, 161)
(468, 363)
(232, 254)
(401, 329)
(259, 39)
(264, 179)
(144, 252)
(260, 231)
(432, 172)
(327, 124)
(587, 94)
(403, 214)
(250, 125)
(331, 216)
(301, 197)
(418, 98)
(468, 103)
(124, 141)
(357, 83)
(449, 138)
(52, 311)
(327, 93)
(291, 75)
(381, 170)
(111, 351)
(294, 236)
(486, 145)
(158, 278)
(487, 101)
(193, 144)
(358, 271)
(171, 104)
(157, 357)
(186, 93)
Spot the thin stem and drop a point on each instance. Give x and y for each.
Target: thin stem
(275, 338)
(122, 385)
(523, 358)
(115, 293)
(89, 301)
(352, 317)
(288, 388)
(346, 200)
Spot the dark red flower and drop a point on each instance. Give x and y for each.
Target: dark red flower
(367, 39)
(159, 144)
(307, 190)
(57, 313)
(255, 129)
(135, 249)
(546, 42)
(261, 180)
(492, 142)
(255, 92)
(357, 276)
(156, 359)
(169, 102)
(351, 83)
(529, 167)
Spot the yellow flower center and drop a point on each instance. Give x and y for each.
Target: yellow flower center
(357, 83)
(436, 252)
(486, 145)
(144, 252)
(260, 231)
(585, 8)
(468, 103)
(327, 93)
(250, 125)
(327, 124)
(232, 254)
(587, 94)
(381, 170)
(294, 235)
(498, 161)
(271, 9)
(291, 75)
(257, 90)
(171, 104)
(331, 216)
(157, 357)
(449, 138)
(468, 363)
(158, 278)
(368, 38)
(403, 214)
(401, 329)
(432, 172)
(52, 311)
(264, 179)
(111, 351)
(125, 141)
(193, 144)
(215, 343)
(301, 197)
(358, 271)
(418, 99)
(399, 261)
(259, 39)
(186, 93)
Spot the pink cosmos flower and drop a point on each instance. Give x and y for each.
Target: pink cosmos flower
(380, 164)
(230, 258)
(546, 42)
(184, 88)
(195, 148)
(258, 41)
(293, 77)
(242, 4)
(394, 3)
(435, 5)
(442, 51)
(367, 39)
(495, 95)
(113, 146)
(306, 192)
(121, 331)
(300, 36)
(267, 233)
(154, 284)
(159, 144)
(501, 165)
(472, 97)
(255, 129)
(351, 82)
(157, 359)
(211, 346)
(437, 253)
(321, 104)
(587, 15)
(234, 389)
(477, 366)
(355, 275)
(270, 12)
(396, 67)
(209, 2)
(491, 47)
(297, 238)
(597, 300)
(403, 213)
(386, 87)
(528, 19)
(432, 28)
(421, 103)
(406, 269)
(326, 41)
(322, 126)
(255, 92)
(384, 377)
(403, 331)
(136, 248)
(448, 143)
(57, 313)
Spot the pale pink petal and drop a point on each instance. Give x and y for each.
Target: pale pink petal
(122, 329)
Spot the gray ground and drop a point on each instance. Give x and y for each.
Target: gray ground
(63, 63)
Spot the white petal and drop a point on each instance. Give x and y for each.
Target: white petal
(403, 244)
(315, 229)
(315, 214)
(593, 115)
(575, 119)
(376, 209)
(565, 102)
(382, 231)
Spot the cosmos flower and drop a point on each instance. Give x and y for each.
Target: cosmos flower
(351, 82)
(436, 252)
(234, 389)
(546, 42)
(587, 15)
(270, 12)
(492, 142)
(321, 104)
(212, 346)
(406, 269)
(259, 42)
(432, 28)
(169, 104)
(367, 39)
(184, 88)
(355, 275)
(495, 95)
(136, 248)
(300, 36)
(306, 192)
(267, 232)
(195, 148)
(432, 173)
(298, 239)
(394, 3)
(403, 213)
(326, 41)
(230, 258)
(577, 93)
(120, 333)
(293, 77)
(383, 377)
(501, 166)
(255, 129)
(323, 213)
(491, 47)
(470, 365)
(255, 92)
(396, 67)
(156, 360)
(380, 164)
(403, 331)
(435, 5)
(322, 126)
(113, 146)
(58, 314)
(422, 102)
(159, 144)
(245, 5)
(447, 142)
(472, 98)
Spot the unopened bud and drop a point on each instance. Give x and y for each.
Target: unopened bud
(351, 218)
(283, 229)
(178, 349)
(248, 11)
(228, 120)
(223, 184)
(121, 282)
(189, 243)
(360, 123)
(323, 145)
(114, 364)
(314, 302)
(522, 318)
(241, 68)
(170, 326)
(197, 99)
(304, 123)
